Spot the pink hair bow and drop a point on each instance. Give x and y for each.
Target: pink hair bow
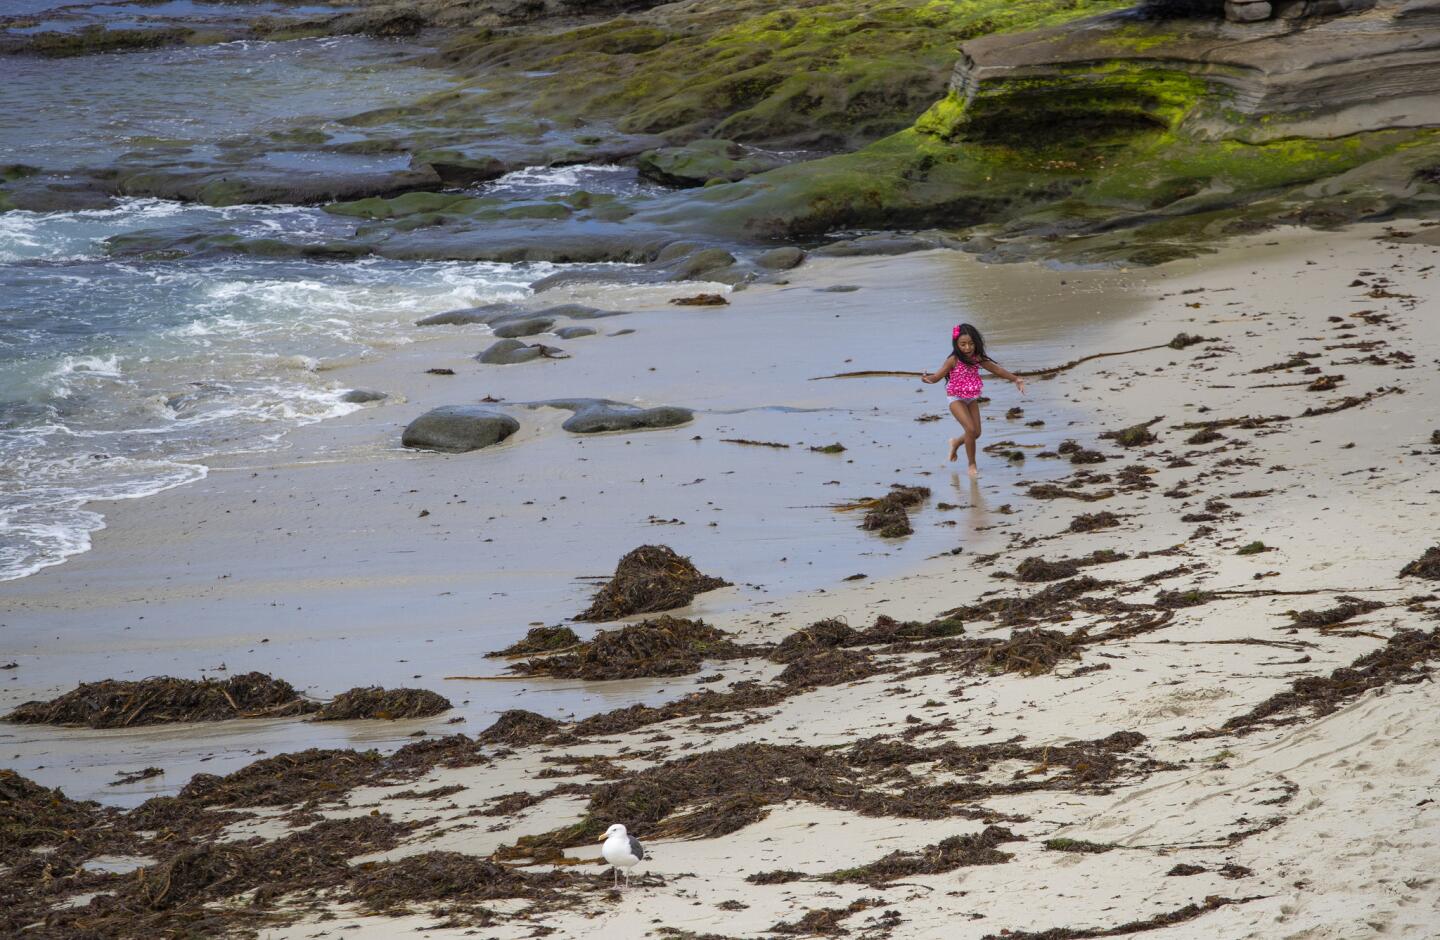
(955, 333)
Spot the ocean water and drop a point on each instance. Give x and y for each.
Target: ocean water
(118, 378)
(92, 110)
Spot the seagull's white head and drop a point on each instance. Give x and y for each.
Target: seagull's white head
(615, 830)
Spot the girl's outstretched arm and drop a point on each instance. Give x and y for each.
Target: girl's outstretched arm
(996, 368)
(940, 373)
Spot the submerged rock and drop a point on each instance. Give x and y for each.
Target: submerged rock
(485, 314)
(237, 185)
(361, 396)
(579, 312)
(458, 428)
(888, 243)
(781, 259)
(698, 266)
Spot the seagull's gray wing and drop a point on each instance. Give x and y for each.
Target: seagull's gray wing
(636, 849)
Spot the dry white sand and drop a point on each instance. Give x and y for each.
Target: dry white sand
(1329, 820)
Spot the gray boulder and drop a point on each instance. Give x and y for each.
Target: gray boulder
(887, 243)
(509, 352)
(456, 429)
(574, 332)
(781, 259)
(526, 326)
(486, 314)
(703, 262)
(359, 396)
(593, 415)
(703, 161)
(579, 312)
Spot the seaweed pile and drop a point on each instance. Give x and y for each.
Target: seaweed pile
(1427, 566)
(32, 816)
(175, 897)
(518, 727)
(719, 792)
(540, 640)
(1053, 602)
(386, 704)
(825, 921)
(888, 515)
(946, 855)
(461, 881)
(1347, 609)
(1136, 435)
(1038, 569)
(649, 579)
(665, 646)
(1401, 661)
(1167, 919)
(113, 703)
(1091, 521)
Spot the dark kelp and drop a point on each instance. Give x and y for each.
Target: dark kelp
(648, 579)
(112, 703)
(888, 515)
(945, 855)
(540, 640)
(1427, 566)
(1403, 660)
(665, 646)
(388, 704)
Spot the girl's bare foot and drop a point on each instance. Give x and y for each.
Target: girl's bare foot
(955, 443)
(974, 471)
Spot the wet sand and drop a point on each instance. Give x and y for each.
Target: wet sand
(1293, 826)
(313, 563)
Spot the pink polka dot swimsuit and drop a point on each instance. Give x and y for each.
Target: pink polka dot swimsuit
(965, 381)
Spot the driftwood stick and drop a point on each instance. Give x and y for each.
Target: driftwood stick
(1052, 370)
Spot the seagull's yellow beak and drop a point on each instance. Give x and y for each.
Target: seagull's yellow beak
(602, 838)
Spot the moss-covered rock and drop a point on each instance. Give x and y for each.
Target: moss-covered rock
(832, 74)
(703, 161)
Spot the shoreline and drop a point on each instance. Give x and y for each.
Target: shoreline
(175, 586)
(1302, 828)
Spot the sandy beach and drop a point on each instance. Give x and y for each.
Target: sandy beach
(946, 786)
(320, 550)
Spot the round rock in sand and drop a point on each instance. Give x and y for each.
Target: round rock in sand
(360, 396)
(509, 352)
(594, 415)
(456, 429)
(529, 326)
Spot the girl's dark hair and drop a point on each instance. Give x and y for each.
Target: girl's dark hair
(975, 337)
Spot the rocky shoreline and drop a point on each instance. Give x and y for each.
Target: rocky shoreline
(1128, 135)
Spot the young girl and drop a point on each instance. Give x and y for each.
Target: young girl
(967, 355)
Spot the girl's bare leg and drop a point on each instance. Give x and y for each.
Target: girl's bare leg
(957, 411)
(969, 418)
(971, 421)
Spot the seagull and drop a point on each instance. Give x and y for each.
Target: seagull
(622, 850)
